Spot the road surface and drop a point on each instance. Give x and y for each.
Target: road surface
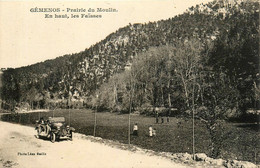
(20, 149)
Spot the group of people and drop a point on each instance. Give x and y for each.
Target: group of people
(161, 118)
(45, 124)
(152, 131)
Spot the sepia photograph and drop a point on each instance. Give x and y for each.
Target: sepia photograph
(129, 84)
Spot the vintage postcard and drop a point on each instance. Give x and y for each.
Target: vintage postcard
(123, 84)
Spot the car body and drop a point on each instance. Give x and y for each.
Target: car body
(54, 128)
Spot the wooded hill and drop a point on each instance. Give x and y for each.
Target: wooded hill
(226, 34)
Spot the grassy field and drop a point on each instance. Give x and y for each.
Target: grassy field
(242, 142)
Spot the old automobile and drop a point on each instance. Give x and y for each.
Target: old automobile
(54, 128)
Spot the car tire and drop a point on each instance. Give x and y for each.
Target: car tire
(53, 137)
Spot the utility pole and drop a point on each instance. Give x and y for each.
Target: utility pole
(69, 108)
(193, 125)
(193, 116)
(95, 124)
(130, 110)
(49, 110)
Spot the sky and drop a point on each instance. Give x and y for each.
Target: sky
(28, 37)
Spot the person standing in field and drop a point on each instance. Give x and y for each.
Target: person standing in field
(150, 131)
(162, 119)
(157, 118)
(168, 119)
(135, 130)
(48, 128)
(154, 132)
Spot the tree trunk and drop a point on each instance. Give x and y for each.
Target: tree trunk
(185, 90)
(258, 121)
(162, 96)
(169, 96)
(216, 139)
(115, 95)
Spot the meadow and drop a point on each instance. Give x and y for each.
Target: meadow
(241, 141)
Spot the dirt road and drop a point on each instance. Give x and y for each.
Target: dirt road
(20, 149)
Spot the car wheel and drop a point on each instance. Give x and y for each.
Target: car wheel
(53, 137)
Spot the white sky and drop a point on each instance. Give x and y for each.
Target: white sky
(27, 38)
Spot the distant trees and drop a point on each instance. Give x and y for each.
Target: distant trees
(114, 94)
(31, 96)
(176, 75)
(236, 53)
(11, 90)
(166, 76)
(188, 64)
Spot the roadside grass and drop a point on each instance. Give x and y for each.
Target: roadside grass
(241, 139)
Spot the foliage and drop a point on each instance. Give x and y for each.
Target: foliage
(217, 98)
(226, 40)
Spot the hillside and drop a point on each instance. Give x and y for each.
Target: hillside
(78, 75)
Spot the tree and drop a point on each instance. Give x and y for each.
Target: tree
(236, 53)
(187, 57)
(31, 96)
(256, 110)
(218, 96)
(11, 90)
(187, 63)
